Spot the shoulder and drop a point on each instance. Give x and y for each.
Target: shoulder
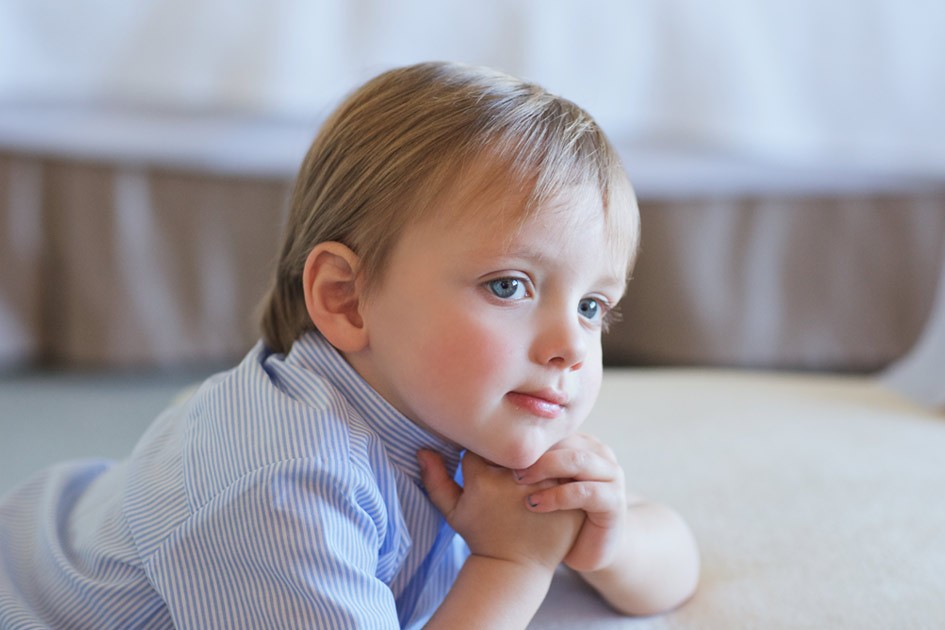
(250, 438)
(267, 415)
(303, 532)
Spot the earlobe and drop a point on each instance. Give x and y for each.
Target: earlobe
(332, 295)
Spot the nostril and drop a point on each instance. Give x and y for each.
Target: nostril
(561, 344)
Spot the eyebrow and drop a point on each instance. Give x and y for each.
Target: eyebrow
(521, 253)
(616, 280)
(526, 253)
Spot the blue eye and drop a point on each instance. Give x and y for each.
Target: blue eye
(589, 308)
(507, 288)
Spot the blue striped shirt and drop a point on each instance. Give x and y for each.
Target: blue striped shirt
(284, 493)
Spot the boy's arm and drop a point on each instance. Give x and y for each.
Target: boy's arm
(493, 593)
(656, 566)
(514, 552)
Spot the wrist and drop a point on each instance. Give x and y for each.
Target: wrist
(521, 568)
(495, 592)
(523, 583)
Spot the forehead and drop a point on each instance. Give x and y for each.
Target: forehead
(568, 232)
(487, 201)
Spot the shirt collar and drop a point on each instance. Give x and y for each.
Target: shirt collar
(401, 436)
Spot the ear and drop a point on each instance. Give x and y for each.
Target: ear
(333, 295)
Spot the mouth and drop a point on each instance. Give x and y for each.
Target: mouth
(546, 403)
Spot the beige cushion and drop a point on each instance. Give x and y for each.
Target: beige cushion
(817, 501)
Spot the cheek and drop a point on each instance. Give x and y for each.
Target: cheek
(590, 385)
(594, 378)
(470, 353)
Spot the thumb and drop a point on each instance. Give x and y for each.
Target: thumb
(444, 493)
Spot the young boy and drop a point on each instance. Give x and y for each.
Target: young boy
(456, 242)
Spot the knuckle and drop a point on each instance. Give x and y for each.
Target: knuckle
(583, 491)
(577, 460)
(613, 502)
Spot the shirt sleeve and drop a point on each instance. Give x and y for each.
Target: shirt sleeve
(293, 545)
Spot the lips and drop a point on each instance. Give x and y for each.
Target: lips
(546, 403)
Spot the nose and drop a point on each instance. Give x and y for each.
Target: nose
(561, 342)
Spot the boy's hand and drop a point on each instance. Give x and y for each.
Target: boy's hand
(490, 513)
(586, 477)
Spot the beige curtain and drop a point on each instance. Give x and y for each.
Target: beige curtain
(920, 374)
(828, 283)
(123, 265)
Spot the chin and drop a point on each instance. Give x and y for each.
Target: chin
(520, 458)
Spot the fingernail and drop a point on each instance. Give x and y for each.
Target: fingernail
(518, 474)
(532, 501)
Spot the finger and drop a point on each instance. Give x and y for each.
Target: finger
(477, 470)
(570, 463)
(594, 548)
(587, 442)
(444, 493)
(473, 463)
(594, 498)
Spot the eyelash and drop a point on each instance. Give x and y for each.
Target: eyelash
(608, 315)
(611, 316)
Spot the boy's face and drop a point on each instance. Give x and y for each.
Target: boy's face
(487, 331)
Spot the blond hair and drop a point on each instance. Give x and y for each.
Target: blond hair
(402, 138)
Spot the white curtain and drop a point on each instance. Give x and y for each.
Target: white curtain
(858, 83)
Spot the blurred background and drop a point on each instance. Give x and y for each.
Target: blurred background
(789, 160)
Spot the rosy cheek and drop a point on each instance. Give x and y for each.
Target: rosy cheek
(473, 351)
(590, 385)
(594, 383)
